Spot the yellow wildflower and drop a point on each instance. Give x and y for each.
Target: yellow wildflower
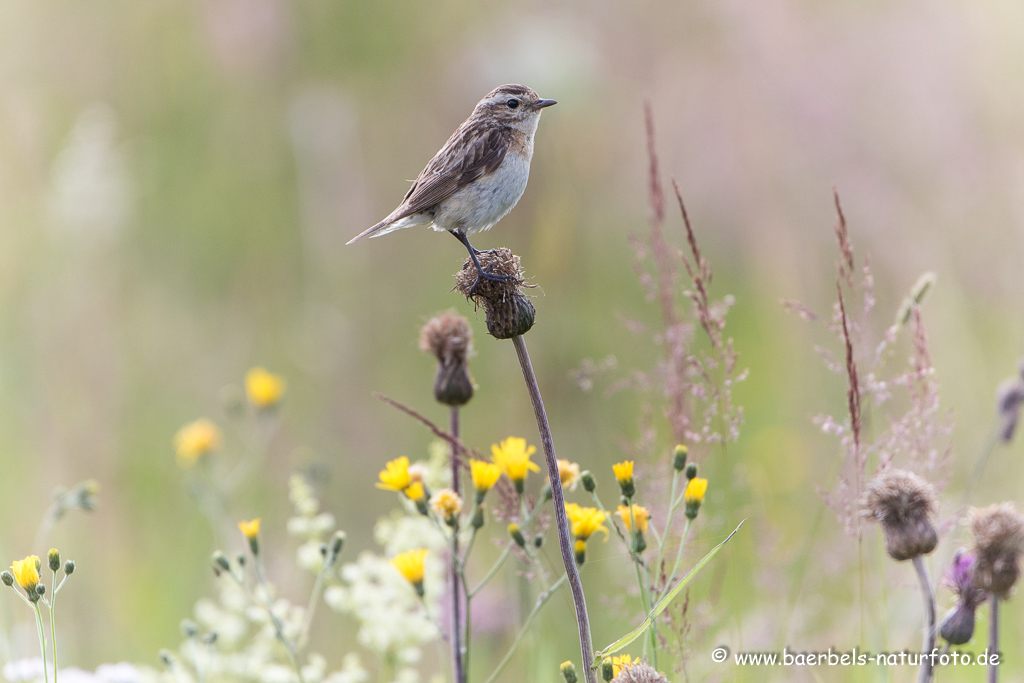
(694, 495)
(195, 440)
(585, 521)
(263, 388)
(485, 475)
(623, 662)
(395, 475)
(624, 475)
(569, 474)
(640, 513)
(446, 504)
(250, 529)
(410, 564)
(415, 492)
(26, 573)
(513, 456)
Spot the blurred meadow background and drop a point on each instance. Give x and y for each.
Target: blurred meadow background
(178, 181)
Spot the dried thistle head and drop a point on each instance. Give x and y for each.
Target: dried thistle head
(508, 312)
(904, 504)
(450, 338)
(639, 672)
(998, 532)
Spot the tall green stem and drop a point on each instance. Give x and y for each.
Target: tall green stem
(42, 639)
(458, 672)
(541, 599)
(561, 521)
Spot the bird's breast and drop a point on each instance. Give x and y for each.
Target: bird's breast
(482, 203)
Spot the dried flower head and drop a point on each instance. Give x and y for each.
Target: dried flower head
(638, 672)
(904, 504)
(998, 542)
(450, 338)
(957, 625)
(508, 312)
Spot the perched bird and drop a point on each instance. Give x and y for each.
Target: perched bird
(479, 174)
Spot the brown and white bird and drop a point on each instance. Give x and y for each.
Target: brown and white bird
(478, 176)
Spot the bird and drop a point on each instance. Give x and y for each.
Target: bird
(478, 176)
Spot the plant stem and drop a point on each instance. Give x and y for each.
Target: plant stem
(562, 522)
(42, 639)
(993, 637)
(645, 593)
(278, 626)
(541, 599)
(679, 555)
(53, 626)
(458, 673)
(926, 672)
(672, 503)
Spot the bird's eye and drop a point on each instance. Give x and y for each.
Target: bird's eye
(513, 103)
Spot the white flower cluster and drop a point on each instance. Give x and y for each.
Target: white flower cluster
(310, 525)
(31, 671)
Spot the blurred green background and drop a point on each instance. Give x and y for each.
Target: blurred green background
(178, 181)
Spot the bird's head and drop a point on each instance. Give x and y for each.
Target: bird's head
(512, 105)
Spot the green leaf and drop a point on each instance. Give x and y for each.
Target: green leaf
(662, 604)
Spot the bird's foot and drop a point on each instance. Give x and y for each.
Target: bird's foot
(486, 275)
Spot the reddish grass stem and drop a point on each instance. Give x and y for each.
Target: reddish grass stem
(458, 671)
(561, 521)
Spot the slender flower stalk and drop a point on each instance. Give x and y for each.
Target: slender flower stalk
(993, 636)
(562, 522)
(926, 673)
(458, 663)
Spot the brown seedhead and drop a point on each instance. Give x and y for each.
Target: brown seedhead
(639, 672)
(450, 338)
(509, 313)
(904, 504)
(998, 532)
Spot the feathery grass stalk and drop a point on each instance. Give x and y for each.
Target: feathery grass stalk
(541, 600)
(993, 637)
(562, 522)
(458, 672)
(926, 672)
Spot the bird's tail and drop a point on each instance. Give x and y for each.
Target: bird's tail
(372, 232)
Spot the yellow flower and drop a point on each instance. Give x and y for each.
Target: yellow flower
(580, 551)
(585, 521)
(624, 475)
(513, 456)
(695, 490)
(250, 529)
(569, 474)
(395, 475)
(485, 475)
(446, 504)
(195, 440)
(415, 491)
(694, 495)
(263, 388)
(26, 572)
(623, 662)
(640, 513)
(410, 564)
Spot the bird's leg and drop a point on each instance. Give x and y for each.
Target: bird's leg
(481, 274)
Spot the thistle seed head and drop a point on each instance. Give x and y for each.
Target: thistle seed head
(998, 532)
(639, 672)
(509, 313)
(450, 338)
(904, 504)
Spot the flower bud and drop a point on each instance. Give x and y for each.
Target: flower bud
(69, 567)
(568, 672)
(477, 520)
(210, 638)
(538, 540)
(53, 558)
(580, 551)
(691, 470)
(7, 578)
(337, 543)
(957, 626)
(189, 628)
(607, 670)
(220, 563)
(517, 535)
(450, 338)
(587, 478)
(41, 588)
(679, 458)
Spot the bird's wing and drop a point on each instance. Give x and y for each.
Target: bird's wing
(476, 153)
(472, 152)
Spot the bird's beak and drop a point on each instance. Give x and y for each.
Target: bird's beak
(544, 103)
